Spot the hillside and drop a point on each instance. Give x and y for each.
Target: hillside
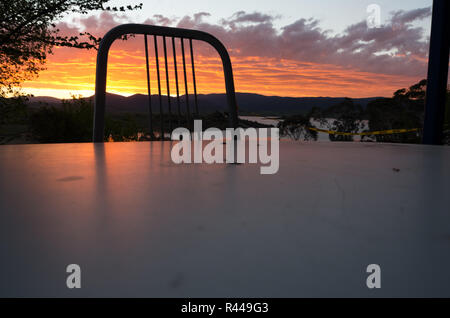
(247, 103)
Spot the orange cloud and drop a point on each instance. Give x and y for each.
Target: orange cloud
(299, 59)
(72, 71)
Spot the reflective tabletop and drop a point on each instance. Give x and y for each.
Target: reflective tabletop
(139, 225)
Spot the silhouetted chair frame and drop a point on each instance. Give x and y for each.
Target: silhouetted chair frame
(155, 31)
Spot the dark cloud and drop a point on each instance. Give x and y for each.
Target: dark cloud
(403, 17)
(397, 47)
(101, 24)
(162, 20)
(244, 17)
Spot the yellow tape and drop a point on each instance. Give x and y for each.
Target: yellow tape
(380, 132)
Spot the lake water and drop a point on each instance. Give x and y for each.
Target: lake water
(321, 136)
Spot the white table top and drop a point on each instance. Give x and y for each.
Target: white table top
(139, 225)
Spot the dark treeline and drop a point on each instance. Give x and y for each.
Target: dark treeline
(404, 110)
(72, 120)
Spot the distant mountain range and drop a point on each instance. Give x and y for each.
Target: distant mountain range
(247, 103)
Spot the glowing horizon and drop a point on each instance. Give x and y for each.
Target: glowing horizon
(257, 75)
(296, 60)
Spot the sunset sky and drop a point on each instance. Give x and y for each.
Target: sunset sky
(284, 48)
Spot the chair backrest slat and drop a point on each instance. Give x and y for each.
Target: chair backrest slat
(176, 79)
(167, 84)
(161, 112)
(186, 91)
(164, 32)
(193, 78)
(150, 120)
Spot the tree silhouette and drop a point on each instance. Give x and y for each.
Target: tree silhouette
(348, 118)
(404, 110)
(28, 34)
(296, 127)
